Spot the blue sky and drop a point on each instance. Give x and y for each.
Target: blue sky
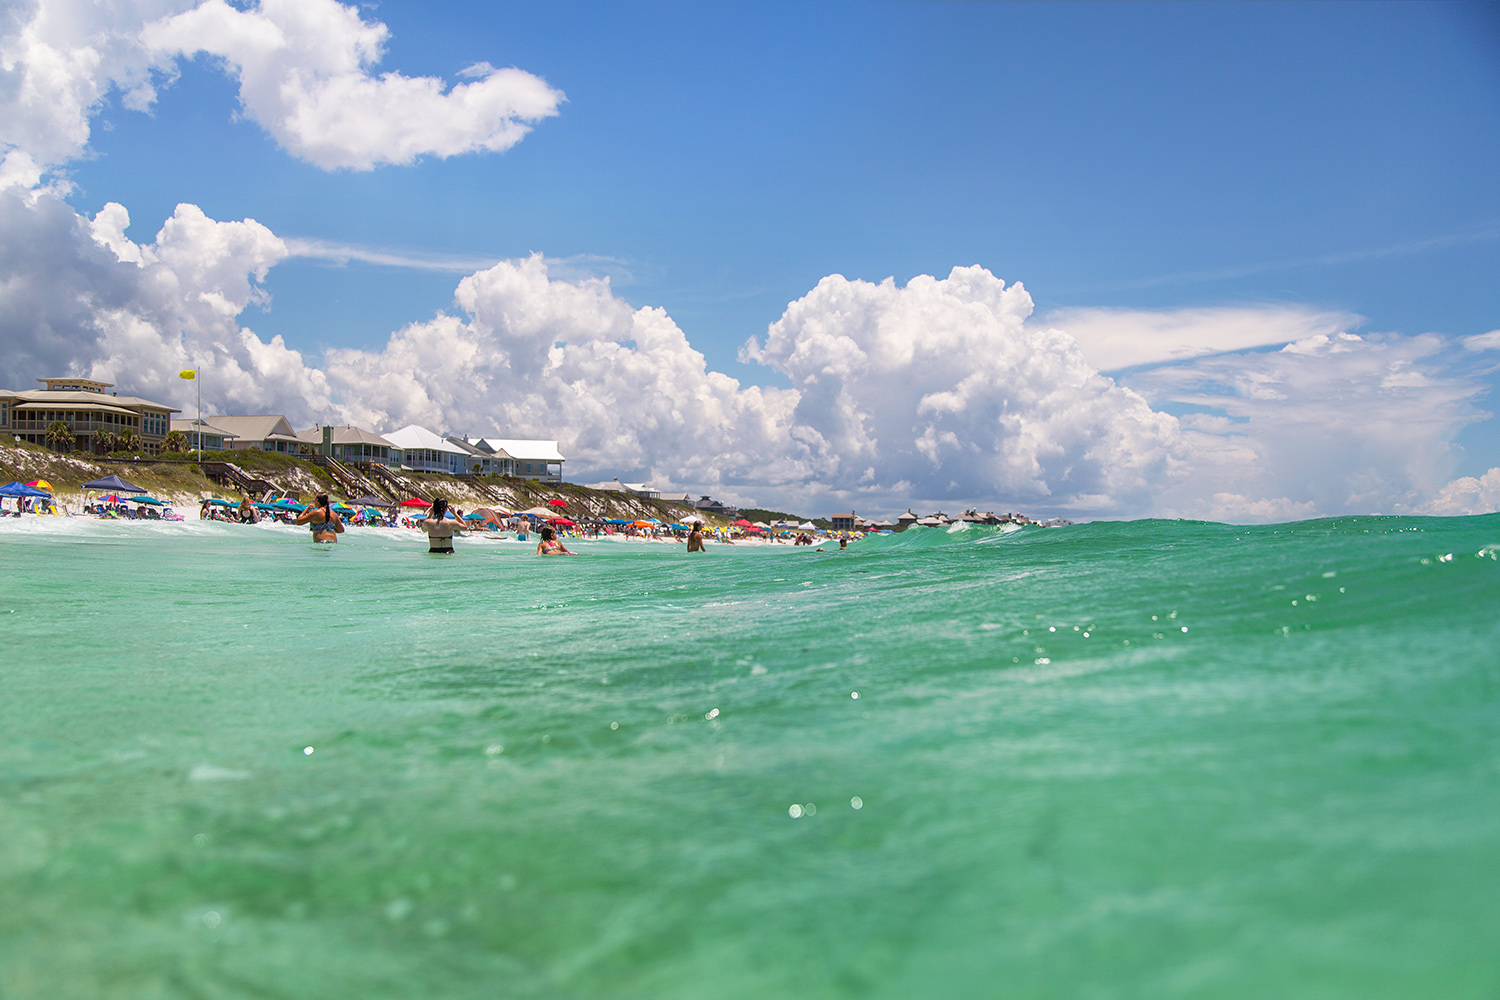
(719, 161)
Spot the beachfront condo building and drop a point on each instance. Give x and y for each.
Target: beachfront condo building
(95, 418)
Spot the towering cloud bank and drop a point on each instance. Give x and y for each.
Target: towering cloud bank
(940, 391)
(941, 388)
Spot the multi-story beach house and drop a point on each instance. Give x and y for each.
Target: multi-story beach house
(261, 431)
(422, 450)
(529, 459)
(349, 444)
(88, 409)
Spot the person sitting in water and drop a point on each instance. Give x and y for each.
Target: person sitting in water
(439, 528)
(323, 522)
(246, 510)
(550, 546)
(695, 538)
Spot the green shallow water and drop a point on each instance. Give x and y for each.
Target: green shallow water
(1285, 784)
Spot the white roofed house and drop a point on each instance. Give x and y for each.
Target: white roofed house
(531, 459)
(483, 459)
(636, 489)
(422, 450)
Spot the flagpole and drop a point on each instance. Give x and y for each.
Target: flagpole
(198, 384)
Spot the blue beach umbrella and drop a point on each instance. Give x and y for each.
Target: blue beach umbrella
(19, 489)
(147, 500)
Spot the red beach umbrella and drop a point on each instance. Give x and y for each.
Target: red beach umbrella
(562, 521)
(415, 502)
(742, 523)
(557, 503)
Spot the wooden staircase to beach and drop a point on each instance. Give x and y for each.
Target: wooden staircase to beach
(396, 484)
(229, 474)
(353, 482)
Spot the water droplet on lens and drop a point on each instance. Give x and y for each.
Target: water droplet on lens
(854, 695)
(1184, 628)
(614, 725)
(713, 713)
(809, 810)
(211, 919)
(494, 750)
(856, 803)
(308, 751)
(794, 811)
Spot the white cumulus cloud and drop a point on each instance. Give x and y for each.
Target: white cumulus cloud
(943, 388)
(1467, 495)
(80, 298)
(306, 70)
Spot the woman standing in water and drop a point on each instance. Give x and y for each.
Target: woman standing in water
(325, 524)
(439, 530)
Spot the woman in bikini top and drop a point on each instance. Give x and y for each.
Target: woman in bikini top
(439, 531)
(321, 520)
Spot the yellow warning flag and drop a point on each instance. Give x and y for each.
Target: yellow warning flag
(190, 374)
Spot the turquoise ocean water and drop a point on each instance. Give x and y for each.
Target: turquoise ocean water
(1153, 759)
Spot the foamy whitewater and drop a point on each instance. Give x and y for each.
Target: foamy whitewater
(1127, 760)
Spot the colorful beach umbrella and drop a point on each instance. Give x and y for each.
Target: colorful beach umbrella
(40, 484)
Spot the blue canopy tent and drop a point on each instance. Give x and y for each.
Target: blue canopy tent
(113, 484)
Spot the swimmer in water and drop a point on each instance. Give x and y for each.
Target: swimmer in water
(326, 526)
(695, 538)
(550, 546)
(439, 531)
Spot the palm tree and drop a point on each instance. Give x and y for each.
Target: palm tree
(175, 442)
(130, 441)
(60, 436)
(105, 442)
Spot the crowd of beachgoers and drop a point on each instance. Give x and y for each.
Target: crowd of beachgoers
(115, 499)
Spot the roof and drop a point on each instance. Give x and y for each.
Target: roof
(526, 450)
(850, 514)
(208, 428)
(614, 485)
(91, 406)
(256, 427)
(61, 397)
(343, 434)
(415, 436)
(87, 383)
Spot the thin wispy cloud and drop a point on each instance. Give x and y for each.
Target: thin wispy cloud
(1485, 234)
(571, 268)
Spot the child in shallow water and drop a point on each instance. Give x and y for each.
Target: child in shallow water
(550, 546)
